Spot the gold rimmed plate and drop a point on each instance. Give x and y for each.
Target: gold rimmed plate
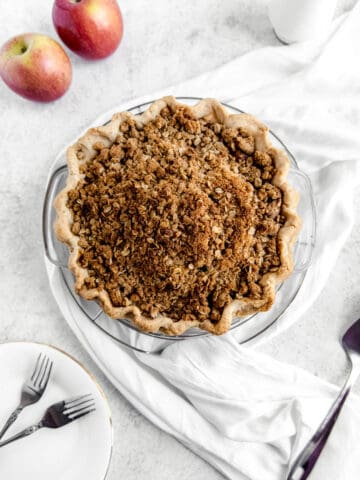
(78, 450)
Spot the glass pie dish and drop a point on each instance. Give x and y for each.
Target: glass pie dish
(246, 328)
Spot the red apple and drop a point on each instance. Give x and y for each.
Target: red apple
(91, 28)
(35, 66)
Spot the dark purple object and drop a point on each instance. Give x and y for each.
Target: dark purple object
(307, 459)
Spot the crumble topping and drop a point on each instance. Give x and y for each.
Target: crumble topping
(178, 217)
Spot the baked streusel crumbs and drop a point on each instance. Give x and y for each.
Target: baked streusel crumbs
(178, 217)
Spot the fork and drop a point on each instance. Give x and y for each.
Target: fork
(308, 457)
(58, 415)
(32, 389)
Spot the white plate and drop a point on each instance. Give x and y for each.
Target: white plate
(79, 450)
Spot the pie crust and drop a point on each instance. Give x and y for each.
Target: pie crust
(86, 149)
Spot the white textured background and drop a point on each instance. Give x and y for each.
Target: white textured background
(165, 41)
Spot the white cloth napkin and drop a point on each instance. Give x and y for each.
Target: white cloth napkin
(247, 414)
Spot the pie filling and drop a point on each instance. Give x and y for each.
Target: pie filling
(178, 217)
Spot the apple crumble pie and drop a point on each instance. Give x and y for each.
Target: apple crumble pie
(179, 217)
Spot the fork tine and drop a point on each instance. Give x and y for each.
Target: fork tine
(38, 376)
(82, 413)
(80, 406)
(44, 370)
(69, 401)
(46, 381)
(46, 374)
(36, 367)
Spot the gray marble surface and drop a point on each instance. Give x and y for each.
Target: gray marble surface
(165, 41)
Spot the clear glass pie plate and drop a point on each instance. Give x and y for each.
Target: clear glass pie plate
(246, 328)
